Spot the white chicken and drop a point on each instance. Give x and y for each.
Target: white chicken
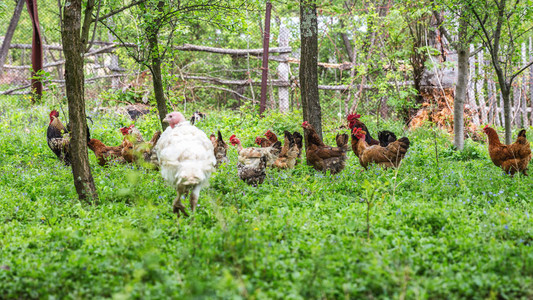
(186, 159)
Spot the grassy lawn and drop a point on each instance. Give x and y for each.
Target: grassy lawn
(459, 229)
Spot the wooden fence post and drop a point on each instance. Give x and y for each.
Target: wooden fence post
(37, 50)
(531, 79)
(523, 87)
(266, 40)
(471, 88)
(480, 87)
(283, 68)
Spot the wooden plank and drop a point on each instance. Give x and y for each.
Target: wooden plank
(531, 79)
(190, 47)
(471, 99)
(480, 87)
(283, 68)
(517, 118)
(498, 120)
(523, 88)
(500, 109)
(490, 98)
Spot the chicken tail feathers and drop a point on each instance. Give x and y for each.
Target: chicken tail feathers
(341, 140)
(289, 137)
(386, 137)
(220, 136)
(276, 148)
(404, 140)
(298, 139)
(522, 133)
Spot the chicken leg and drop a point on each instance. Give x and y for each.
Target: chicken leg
(193, 200)
(177, 206)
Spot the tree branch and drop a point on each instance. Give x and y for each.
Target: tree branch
(86, 27)
(521, 70)
(94, 29)
(119, 10)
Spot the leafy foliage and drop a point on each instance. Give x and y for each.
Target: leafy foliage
(301, 234)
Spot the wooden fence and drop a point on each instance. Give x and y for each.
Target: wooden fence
(485, 97)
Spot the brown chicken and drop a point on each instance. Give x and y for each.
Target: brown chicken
(220, 149)
(289, 153)
(322, 157)
(252, 162)
(132, 151)
(385, 137)
(132, 130)
(263, 142)
(105, 154)
(389, 156)
(271, 136)
(511, 158)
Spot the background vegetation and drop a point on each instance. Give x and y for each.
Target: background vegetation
(446, 224)
(461, 229)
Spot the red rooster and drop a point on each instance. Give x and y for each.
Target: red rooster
(385, 137)
(58, 138)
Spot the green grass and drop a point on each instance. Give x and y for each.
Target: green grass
(460, 230)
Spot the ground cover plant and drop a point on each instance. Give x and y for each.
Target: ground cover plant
(456, 228)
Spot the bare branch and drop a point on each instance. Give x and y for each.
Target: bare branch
(521, 70)
(106, 16)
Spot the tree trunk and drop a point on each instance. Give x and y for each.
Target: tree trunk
(9, 34)
(506, 93)
(157, 79)
(308, 65)
(152, 32)
(463, 55)
(74, 80)
(347, 43)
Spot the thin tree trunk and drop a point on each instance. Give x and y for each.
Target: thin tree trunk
(152, 32)
(308, 65)
(74, 78)
(9, 34)
(506, 91)
(347, 44)
(157, 80)
(463, 55)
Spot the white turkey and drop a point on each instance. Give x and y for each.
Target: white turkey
(186, 159)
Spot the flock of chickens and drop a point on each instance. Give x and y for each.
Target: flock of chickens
(186, 157)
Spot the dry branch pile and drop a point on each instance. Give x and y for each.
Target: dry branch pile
(438, 109)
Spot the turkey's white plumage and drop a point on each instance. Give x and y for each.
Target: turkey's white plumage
(186, 160)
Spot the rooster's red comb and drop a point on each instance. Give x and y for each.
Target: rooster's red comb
(354, 116)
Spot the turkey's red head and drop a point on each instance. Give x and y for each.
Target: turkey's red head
(234, 140)
(126, 130)
(174, 118)
(53, 113)
(352, 118)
